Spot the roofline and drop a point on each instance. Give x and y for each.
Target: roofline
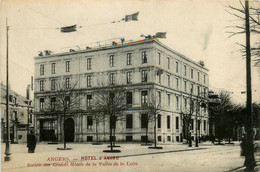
(181, 55)
(143, 41)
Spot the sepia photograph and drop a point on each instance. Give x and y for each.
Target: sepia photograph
(130, 86)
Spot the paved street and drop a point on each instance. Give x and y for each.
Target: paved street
(134, 157)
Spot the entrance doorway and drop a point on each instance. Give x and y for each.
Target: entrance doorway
(69, 130)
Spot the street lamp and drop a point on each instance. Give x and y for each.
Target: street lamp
(7, 141)
(198, 111)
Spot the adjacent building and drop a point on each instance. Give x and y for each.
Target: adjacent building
(146, 67)
(20, 116)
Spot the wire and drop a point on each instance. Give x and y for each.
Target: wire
(44, 15)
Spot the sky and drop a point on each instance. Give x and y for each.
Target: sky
(195, 28)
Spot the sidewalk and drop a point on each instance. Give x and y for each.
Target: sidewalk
(133, 157)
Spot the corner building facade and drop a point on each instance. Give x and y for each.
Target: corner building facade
(145, 67)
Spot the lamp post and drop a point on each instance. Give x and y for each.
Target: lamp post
(7, 141)
(197, 112)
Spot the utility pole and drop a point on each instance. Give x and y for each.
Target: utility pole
(7, 141)
(190, 116)
(249, 156)
(197, 109)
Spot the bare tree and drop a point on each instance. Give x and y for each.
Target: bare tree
(239, 27)
(218, 113)
(111, 100)
(153, 108)
(67, 101)
(98, 117)
(146, 119)
(186, 115)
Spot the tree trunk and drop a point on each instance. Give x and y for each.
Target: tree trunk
(155, 132)
(64, 137)
(97, 131)
(146, 134)
(111, 144)
(114, 135)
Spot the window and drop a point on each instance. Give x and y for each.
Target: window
(159, 58)
(89, 122)
(169, 99)
(53, 68)
(67, 83)
(89, 64)
(192, 124)
(191, 104)
(112, 78)
(144, 75)
(169, 80)
(144, 57)
(159, 98)
(159, 138)
(205, 92)
(159, 78)
(191, 88)
(144, 120)
(168, 138)
(112, 60)
(67, 100)
(198, 89)
(204, 125)
(41, 103)
(177, 67)
(129, 121)
(185, 86)
(159, 118)
(177, 102)
(185, 103)
(129, 98)
(89, 81)
(198, 76)
(144, 97)
(168, 122)
(53, 102)
(89, 99)
(177, 122)
(129, 77)
(112, 97)
(53, 84)
(185, 70)
(129, 59)
(169, 62)
(128, 138)
(191, 73)
(67, 66)
(177, 83)
(198, 125)
(41, 85)
(41, 69)
(204, 79)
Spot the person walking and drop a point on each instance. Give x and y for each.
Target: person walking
(31, 142)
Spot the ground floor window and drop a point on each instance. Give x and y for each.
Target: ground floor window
(89, 138)
(177, 138)
(144, 138)
(168, 138)
(129, 138)
(159, 138)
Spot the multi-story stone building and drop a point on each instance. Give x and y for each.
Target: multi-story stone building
(20, 115)
(146, 67)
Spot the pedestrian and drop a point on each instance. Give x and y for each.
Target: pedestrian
(31, 142)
